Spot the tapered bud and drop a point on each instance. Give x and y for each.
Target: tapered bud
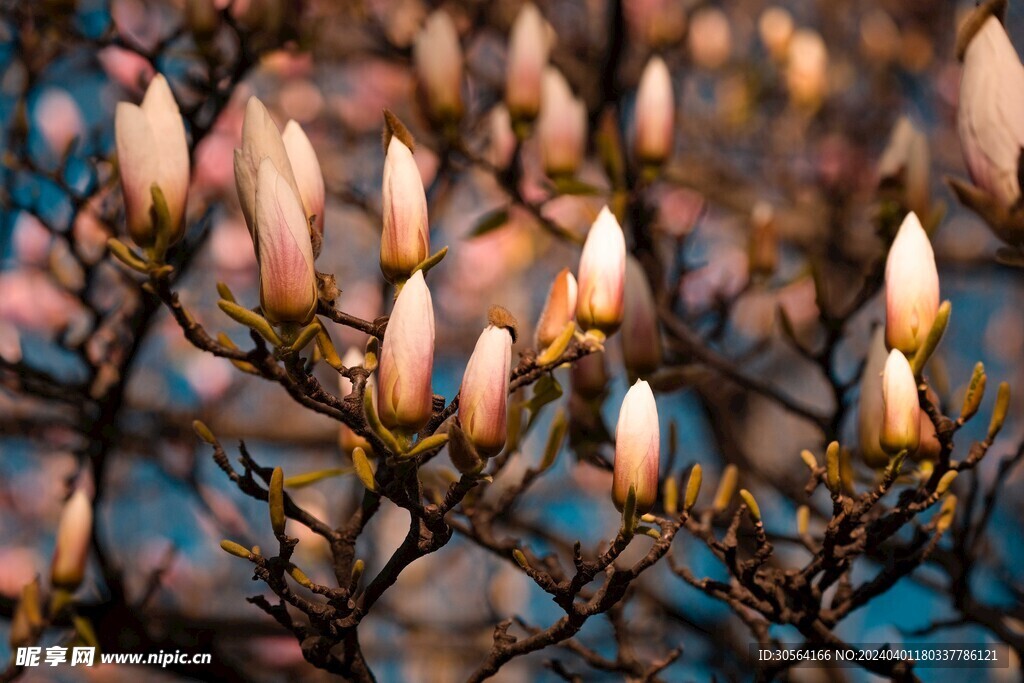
(27, 622)
(807, 68)
(74, 535)
(990, 111)
(655, 113)
(152, 150)
(407, 359)
(559, 309)
(561, 126)
(905, 165)
(528, 48)
(911, 287)
(484, 394)
(437, 57)
(641, 340)
(405, 242)
(869, 406)
(589, 375)
(261, 140)
(637, 448)
(348, 439)
(602, 275)
(308, 177)
(288, 290)
(901, 416)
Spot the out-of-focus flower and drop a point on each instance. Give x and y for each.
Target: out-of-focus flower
(502, 140)
(308, 176)
(74, 535)
(905, 165)
(528, 48)
(405, 242)
(901, 416)
(763, 248)
(559, 309)
(775, 27)
(437, 56)
(637, 449)
(348, 440)
(869, 406)
(288, 289)
(656, 22)
(602, 275)
(641, 339)
(807, 68)
(58, 119)
(655, 113)
(710, 38)
(911, 287)
(407, 359)
(561, 126)
(152, 150)
(484, 394)
(261, 140)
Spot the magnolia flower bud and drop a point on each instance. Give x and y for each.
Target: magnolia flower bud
(655, 113)
(260, 140)
(437, 57)
(74, 535)
(869, 403)
(308, 177)
(484, 393)
(559, 309)
(288, 289)
(990, 111)
(807, 68)
(527, 56)
(151, 150)
(348, 439)
(405, 242)
(602, 273)
(561, 127)
(641, 339)
(901, 416)
(404, 395)
(637, 448)
(911, 287)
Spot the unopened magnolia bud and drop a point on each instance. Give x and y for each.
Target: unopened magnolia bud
(911, 287)
(528, 48)
(288, 288)
(807, 69)
(869, 404)
(602, 275)
(74, 536)
(655, 113)
(152, 150)
(693, 487)
(404, 396)
(901, 417)
(484, 394)
(637, 449)
(561, 126)
(309, 178)
(405, 241)
(437, 56)
(752, 507)
(559, 309)
(905, 165)
(726, 488)
(975, 392)
(261, 140)
(775, 28)
(1000, 410)
(640, 335)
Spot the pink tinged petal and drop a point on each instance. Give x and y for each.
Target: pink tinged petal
(437, 57)
(405, 240)
(484, 393)
(641, 339)
(407, 359)
(171, 148)
(261, 139)
(911, 287)
(901, 419)
(561, 126)
(308, 176)
(559, 309)
(287, 277)
(655, 113)
(528, 49)
(74, 536)
(637, 448)
(139, 168)
(602, 275)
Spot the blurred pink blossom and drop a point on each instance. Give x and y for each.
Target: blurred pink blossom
(125, 67)
(31, 240)
(58, 118)
(33, 302)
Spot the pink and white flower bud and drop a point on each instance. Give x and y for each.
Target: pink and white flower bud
(655, 113)
(437, 57)
(901, 416)
(602, 275)
(483, 397)
(151, 149)
(405, 242)
(74, 536)
(404, 396)
(288, 289)
(561, 126)
(261, 140)
(528, 48)
(637, 449)
(348, 440)
(911, 287)
(559, 309)
(990, 111)
(641, 338)
(308, 177)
